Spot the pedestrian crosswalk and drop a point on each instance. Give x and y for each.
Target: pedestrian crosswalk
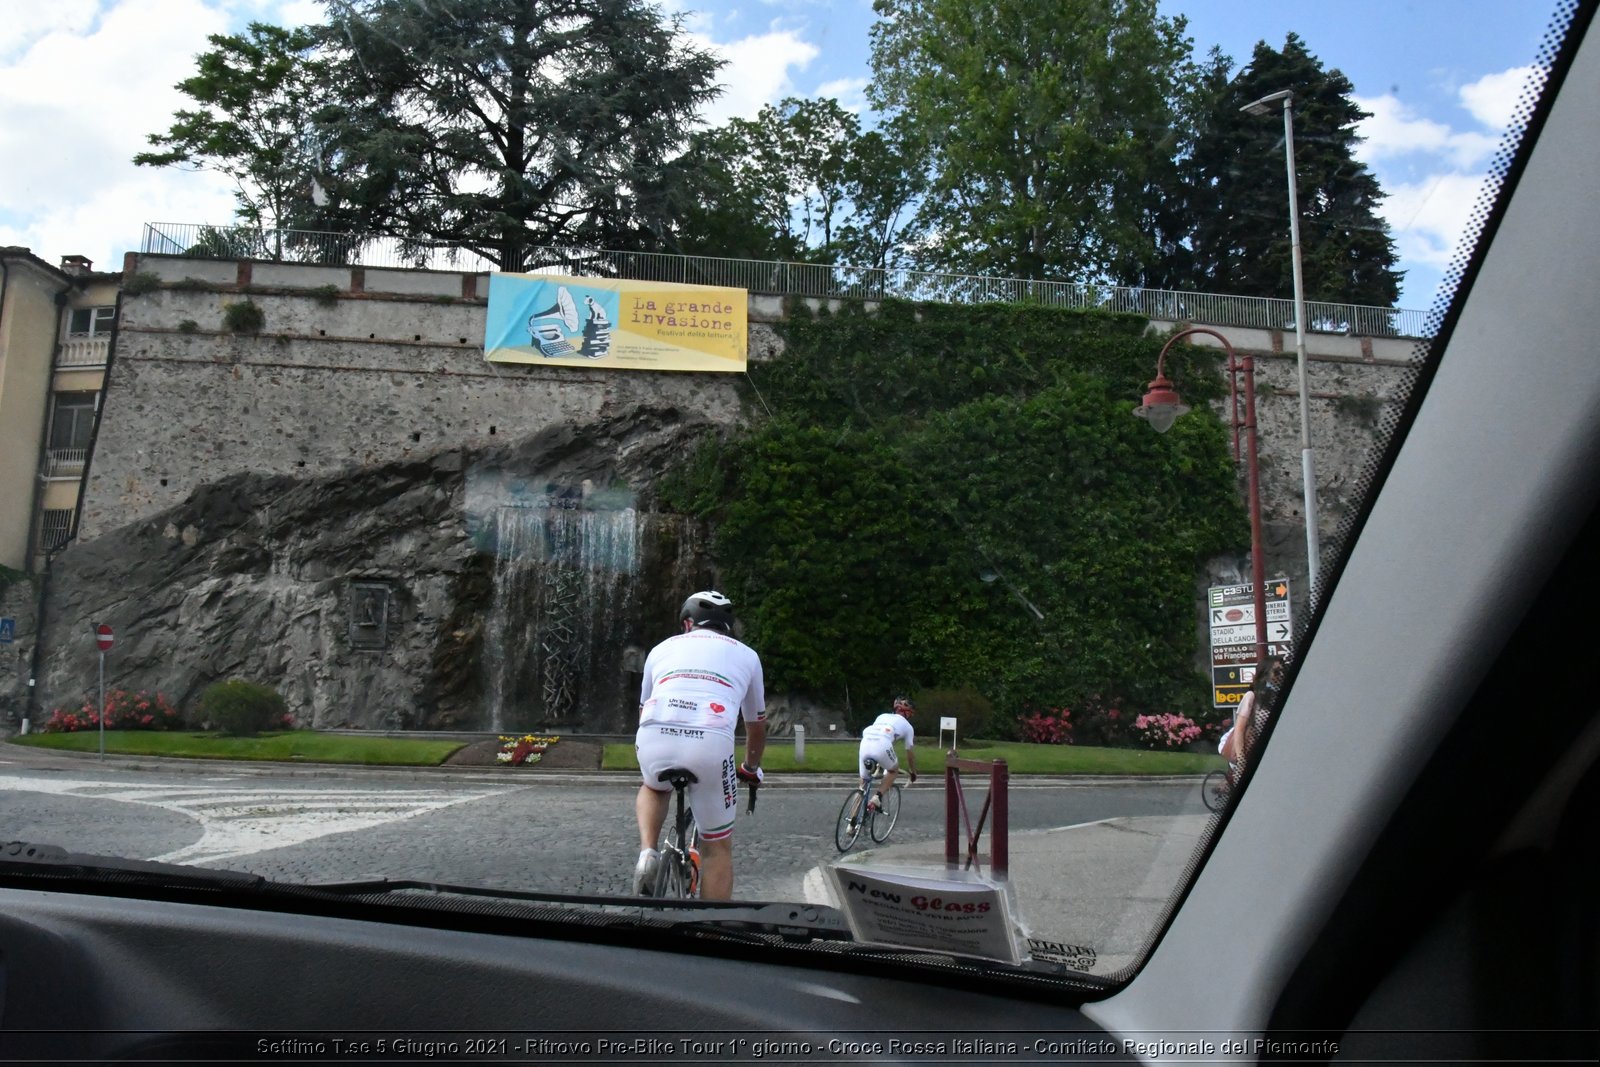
(239, 819)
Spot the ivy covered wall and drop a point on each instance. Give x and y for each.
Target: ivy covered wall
(958, 497)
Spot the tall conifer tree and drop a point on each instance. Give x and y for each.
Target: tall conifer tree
(1238, 197)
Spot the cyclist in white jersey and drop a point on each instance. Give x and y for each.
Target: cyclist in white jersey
(877, 742)
(696, 687)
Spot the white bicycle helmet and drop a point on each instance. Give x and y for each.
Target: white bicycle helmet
(709, 608)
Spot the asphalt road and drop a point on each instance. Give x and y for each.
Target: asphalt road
(569, 834)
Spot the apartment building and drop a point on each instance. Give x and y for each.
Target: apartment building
(56, 324)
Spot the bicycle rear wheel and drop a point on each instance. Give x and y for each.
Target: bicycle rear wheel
(677, 878)
(886, 816)
(1214, 790)
(850, 816)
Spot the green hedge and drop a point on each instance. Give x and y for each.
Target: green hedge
(958, 497)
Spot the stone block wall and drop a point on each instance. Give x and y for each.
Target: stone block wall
(351, 366)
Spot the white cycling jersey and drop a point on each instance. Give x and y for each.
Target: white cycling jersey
(877, 741)
(886, 729)
(703, 679)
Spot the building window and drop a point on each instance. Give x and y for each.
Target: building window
(92, 322)
(55, 526)
(71, 424)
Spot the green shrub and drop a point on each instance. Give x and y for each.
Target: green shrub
(326, 295)
(243, 317)
(188, 326)
(242, 709)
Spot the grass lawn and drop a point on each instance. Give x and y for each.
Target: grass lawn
(305, 746)
(840, 757)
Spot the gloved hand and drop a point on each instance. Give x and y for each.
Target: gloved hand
(749, 774)
(913, 776)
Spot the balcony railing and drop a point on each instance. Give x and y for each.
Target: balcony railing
(64, 462)
(84, 352)
(822, 280)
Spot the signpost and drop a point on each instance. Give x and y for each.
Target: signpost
(104, 638)
(1231, 620)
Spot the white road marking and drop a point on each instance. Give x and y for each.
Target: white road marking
(238, 820)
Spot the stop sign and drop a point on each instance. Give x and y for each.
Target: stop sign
(103, 637)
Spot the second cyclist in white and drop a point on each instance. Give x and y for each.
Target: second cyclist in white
(697, 686)
(877, 742)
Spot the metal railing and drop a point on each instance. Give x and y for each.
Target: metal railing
(62, 462)
(55, 527)
(958, 825)
(766, 277)
(84, 352)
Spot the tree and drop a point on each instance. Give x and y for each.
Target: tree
(503, 125)
(1047, 127)
(1239, 241)
(800, 181)
(258, 92)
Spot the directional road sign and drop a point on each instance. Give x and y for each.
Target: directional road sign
(1231, 618)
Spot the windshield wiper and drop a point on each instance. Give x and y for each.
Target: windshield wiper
(53, 861)
(806, 922)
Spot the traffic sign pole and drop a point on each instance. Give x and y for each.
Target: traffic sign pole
(103, 638)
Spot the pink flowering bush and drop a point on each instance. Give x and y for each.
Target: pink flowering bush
(1165, 731)
(123, 711)
(1051, 726)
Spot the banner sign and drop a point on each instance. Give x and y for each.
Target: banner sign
(547, 319)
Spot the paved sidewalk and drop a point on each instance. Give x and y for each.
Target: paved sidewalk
(1103, 885)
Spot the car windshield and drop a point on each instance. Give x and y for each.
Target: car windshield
(934, 425)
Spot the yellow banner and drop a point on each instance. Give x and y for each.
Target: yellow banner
(548, 319)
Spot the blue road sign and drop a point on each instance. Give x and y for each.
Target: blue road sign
(8, 631)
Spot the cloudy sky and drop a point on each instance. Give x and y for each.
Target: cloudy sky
(82, 82)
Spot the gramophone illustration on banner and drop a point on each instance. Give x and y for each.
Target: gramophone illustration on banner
(546, 328)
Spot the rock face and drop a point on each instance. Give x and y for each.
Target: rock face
(507, 589)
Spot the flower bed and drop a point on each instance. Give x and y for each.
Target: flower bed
(124, 711)
(524, 750)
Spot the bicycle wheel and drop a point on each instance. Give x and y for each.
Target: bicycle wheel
(1214, 790)
(676, 879)
(850, 816)
(670, 881)
(887, 816)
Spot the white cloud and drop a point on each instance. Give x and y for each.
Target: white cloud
(1430, 218)
(79, 101)
(850, 92)
(25, 23)
(1433, 172)
(758, 72)
(1393, 129)
(1493, 98)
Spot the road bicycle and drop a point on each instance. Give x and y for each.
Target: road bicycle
(678, 875)
(855, 815)
(1216, 789)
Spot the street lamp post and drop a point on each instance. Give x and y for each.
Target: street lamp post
(1161, 407)
(1308, 473)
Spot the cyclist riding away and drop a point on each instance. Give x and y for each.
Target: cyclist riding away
(877, 742)
(697, 685)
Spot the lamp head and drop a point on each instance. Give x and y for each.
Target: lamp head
(1162, 405)
(1264, 105)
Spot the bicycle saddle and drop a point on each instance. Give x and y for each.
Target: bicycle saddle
(673, 776)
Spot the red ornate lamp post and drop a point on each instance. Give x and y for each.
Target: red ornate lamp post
(1161, 407)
